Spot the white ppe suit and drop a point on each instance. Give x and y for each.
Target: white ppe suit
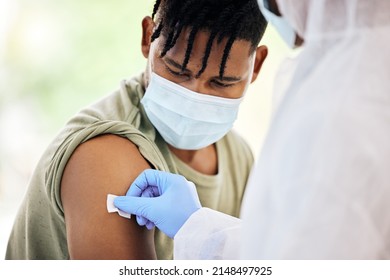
(321, 186)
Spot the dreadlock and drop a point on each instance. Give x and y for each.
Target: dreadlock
(231, 19)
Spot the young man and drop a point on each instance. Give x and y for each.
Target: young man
(176, 117)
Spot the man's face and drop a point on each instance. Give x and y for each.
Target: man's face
(241, 69)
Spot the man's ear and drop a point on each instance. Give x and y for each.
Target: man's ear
(260, 56)
(147, 32)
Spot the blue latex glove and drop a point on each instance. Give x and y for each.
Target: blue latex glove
(162, 199)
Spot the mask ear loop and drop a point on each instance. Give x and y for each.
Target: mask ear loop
(284, 29)
(250, 75)
(149, 69)
(268, 6)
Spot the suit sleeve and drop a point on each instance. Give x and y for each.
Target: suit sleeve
(208, 234)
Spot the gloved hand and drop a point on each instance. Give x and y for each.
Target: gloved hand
(162, 199)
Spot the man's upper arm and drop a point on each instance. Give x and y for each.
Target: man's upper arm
(103, 165)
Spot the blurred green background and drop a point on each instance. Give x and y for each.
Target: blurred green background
(59, 56)
(64, 54)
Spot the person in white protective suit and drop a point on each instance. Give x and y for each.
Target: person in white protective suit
(321, 186)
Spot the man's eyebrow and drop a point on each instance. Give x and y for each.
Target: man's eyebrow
(174, 63)
(228, 78)
(177, 65)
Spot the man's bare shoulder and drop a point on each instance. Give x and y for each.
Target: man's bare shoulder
(107, 164)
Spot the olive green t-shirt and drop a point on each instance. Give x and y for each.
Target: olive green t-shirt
(39, 230)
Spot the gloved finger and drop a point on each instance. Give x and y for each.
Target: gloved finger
(150, 225)
(148, 192)
(142, 221)
(153, 178)
(144, 180)
(139, 206)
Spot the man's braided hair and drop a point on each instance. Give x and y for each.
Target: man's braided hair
(232, 19)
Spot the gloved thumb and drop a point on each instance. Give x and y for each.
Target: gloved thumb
(139, 206)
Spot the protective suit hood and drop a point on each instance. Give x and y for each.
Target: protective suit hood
(315, 19)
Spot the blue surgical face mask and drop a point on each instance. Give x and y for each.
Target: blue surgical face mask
(186, 119)
(281, 25)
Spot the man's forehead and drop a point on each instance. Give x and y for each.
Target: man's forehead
(198, 54)
(200, 42)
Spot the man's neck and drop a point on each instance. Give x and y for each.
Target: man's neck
(204, 160)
